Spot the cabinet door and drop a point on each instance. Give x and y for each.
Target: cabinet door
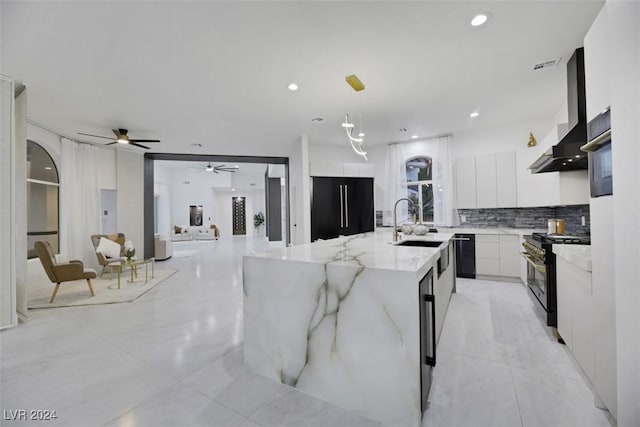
(509, 256)
(358, 205)
(486, 181)
(466, 182)
(487, 255)
(565, 303)
(506, 179)
(327, 219)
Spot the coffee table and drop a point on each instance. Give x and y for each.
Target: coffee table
(133, 268)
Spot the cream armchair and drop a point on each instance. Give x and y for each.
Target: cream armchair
(163, 247)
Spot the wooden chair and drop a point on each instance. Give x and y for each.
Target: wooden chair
(62, 272)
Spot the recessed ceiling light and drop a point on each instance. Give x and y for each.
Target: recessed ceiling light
(474, 114)
(479, 19)
(578, 156)
(48, 168)
(570, 160)
(361, 134)
(292, 86)
(233, 189)
(414, 136)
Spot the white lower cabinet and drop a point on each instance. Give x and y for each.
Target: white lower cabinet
(497, 255)
(509, 256)
(487, 255)
(576, 308)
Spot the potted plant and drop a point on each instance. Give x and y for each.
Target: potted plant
(258, 220)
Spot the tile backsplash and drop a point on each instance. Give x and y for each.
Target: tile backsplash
(527, 218)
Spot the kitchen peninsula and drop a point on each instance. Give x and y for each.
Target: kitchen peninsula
(341, 319)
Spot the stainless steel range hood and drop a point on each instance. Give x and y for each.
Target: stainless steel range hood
(566, 155)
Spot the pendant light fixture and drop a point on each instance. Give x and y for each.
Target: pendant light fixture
(356, 143)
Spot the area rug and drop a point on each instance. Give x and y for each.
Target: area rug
(184, 254)
(76, 293)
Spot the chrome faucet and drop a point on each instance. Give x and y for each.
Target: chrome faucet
(395, 219)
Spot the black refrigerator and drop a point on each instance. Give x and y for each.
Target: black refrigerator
(341, 206)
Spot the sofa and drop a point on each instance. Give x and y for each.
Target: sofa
(201, 232)
(206, 233)
(163, 247)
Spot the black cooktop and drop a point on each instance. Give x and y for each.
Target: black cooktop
(561, 238)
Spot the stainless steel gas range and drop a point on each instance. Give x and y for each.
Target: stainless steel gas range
(541, 271)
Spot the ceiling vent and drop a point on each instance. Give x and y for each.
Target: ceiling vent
(552, 63)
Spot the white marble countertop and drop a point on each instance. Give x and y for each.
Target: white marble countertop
(580, 255)
(489, 230)
(370, 250)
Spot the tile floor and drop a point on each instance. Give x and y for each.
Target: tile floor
(174, 357)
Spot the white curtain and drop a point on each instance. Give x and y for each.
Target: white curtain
(441, 153)
(396, 184)
(444, 211)
(79, 201)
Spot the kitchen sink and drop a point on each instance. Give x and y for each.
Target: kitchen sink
(423, 243)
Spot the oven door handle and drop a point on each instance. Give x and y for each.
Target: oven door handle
(540, 267)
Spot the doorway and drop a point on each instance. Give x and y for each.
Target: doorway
(215, 208)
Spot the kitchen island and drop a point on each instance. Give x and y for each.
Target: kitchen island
(340, 320)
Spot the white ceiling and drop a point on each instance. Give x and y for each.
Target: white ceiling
(246, 175)
(216, 73)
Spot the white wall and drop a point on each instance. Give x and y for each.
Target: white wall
(194, 188)
(8, 316)
(624, 70)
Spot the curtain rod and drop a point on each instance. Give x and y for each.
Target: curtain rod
(56, 133)
(421, 139)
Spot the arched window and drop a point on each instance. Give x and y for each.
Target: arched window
(43, 186)
(420, 188)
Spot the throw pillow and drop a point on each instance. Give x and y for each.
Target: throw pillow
(177, 229)
(108, 248)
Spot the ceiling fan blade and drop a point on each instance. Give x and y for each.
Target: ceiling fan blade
(111, 143)
(95, 136)
(144, 140)
(139, 145)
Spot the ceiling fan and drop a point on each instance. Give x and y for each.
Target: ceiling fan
(122, 138)
(219, 168)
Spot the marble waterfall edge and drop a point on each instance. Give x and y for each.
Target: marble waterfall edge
(341, 331)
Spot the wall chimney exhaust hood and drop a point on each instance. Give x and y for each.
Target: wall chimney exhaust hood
(566, 155)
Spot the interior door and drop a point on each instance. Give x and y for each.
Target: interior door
(327, 217)
(358, 205)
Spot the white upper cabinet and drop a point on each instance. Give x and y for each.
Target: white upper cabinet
(362, 170)
(596, 63)
(486, 181)
(506, 180)
(466, 182)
